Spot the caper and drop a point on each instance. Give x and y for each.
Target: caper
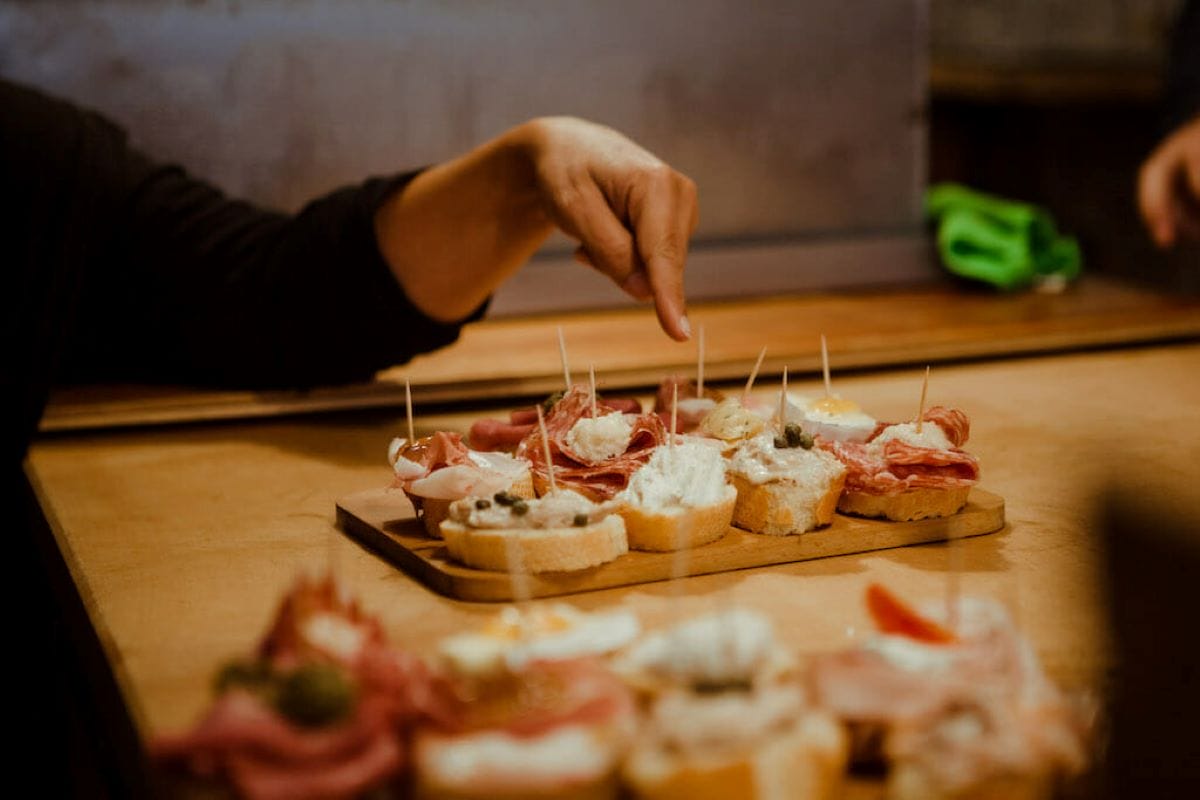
(315, 694)
(550, 402)
(504, 498)
(252, 675)
(806, 441)
(580, 520)
(792, 433)
(483, 502)
(781, 442)
(520, 507)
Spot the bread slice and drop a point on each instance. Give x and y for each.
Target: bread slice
(905, 506)
(537, 549)
(678, 527)
(807, 760)
(434, 509)
(782, 507)
(909, 782)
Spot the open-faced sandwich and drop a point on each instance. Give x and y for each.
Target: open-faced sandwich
(497, 435)
(559, 531)
(909, 470)
(784, 484)
(962, 711)
(320, 710)
(831, 417)
(726, 716)
(678, 499)
(436, 470)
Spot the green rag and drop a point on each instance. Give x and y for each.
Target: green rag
(1006, 243)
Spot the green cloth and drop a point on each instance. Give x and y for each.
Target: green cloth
(1006, 243)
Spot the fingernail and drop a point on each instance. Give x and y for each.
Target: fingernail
(685, 326)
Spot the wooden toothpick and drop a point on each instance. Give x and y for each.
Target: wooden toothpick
(825, 367)
(700, 363)
(674, 413)
(753, 375)
(783, 401)
(592, 382)
(546, 447)
(562, 353)
(921, 408)
(408, 408)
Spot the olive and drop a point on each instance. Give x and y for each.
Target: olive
(315, 694)
(504, 498)
(252, 675)
(580, 520)
(483, 502)
(520, 507)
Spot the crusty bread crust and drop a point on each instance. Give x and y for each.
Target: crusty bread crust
(678, 528)
(807, 760)
(433, 510)
(538, 549)
(905, 506)
(909, 782)
(774, 507)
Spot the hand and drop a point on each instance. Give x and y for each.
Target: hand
(459, 229)
(632, 214)
(1169, 187)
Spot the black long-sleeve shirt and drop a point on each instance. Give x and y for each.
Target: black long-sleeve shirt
(1183, 67)
(118, 268)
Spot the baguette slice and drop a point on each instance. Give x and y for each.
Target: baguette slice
(806, 760)
(783, 507)
(537, 549)
(905, 506)
(434, 509)
(678, 527)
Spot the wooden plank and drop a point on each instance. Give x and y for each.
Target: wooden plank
(384, 520)
(503, 359)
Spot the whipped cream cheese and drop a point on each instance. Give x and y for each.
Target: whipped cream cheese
(561, 509)
(717, 649)
(931, 436)
(759, 461)
(596, 439)
(568, 751)
(688, 474)
(694, 721)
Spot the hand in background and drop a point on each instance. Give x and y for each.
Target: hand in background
(1169, 187)
(458, 230)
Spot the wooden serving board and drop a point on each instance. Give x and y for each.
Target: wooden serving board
(384, 520)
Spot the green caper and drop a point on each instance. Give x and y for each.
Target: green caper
(315, 694)
(781, 442)
(550, 402)
(806, 441)
(520, 507)
(581, 520)
(482, 503)
(252, 675)
(792, 433)
(504, 498)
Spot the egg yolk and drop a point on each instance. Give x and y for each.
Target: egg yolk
(832, 404)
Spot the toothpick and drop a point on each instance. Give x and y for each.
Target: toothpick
(921, 408)
(546, 447)
(408, 407)
(562, 353)
(825, 367)
(700, 363)
(783, 401)
(592, 381)
(753, 375)
(674, 412)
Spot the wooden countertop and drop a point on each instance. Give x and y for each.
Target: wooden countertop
(181, 540)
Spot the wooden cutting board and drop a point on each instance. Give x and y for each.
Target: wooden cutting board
(384, 521)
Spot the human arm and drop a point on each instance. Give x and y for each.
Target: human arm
(459, 229)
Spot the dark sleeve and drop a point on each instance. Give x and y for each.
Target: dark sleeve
(130, 270)
(1183, 67)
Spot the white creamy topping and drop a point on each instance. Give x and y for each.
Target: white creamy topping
(500, 462)
(568, 751)
(910, 655)
(759, 461)
(716, 649)
(688, 474)
(730, 718)
(544, 632)
(694, 406)
(596, 439)
(931, 436)
(554, 510)
(334, 634)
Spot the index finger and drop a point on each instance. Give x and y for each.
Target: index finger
(662, 217)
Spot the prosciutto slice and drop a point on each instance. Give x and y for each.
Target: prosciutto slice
(494, 434)
(600, 481)
(691, 409)
(901, 466)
